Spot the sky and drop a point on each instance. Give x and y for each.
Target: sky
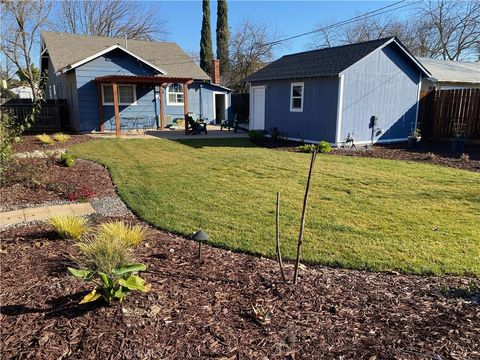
(286, 18)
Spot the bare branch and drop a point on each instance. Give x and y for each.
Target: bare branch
(112, 19)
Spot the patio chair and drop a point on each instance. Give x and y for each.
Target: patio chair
(230, 123)
(195, 127)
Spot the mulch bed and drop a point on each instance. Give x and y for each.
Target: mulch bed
(29, 143)
(33, 181)
(437, 153)
(199, 310)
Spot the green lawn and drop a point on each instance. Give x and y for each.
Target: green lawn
(363, 213)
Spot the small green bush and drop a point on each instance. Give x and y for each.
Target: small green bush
(255, 134)
(307, 148)
(61, 137)
(69, 226)
(68, 159)
(324, 147)
(45, 139)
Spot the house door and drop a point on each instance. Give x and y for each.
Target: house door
(220, 107)
(257, 108)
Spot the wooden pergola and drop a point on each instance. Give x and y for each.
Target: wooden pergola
(161, 81)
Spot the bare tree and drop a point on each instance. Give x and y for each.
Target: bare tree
(437, 29)
(366, 29)
(455, 26)
(251, 47)
(195, 55)
(112, 19)
(20, 34)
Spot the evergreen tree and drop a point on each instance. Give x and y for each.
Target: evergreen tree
(206, 52)
(223, 36)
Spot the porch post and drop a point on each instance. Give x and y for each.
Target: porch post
(162, 108)
(185, 105)
(100, 107)
(117, 112)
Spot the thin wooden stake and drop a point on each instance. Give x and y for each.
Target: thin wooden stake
(279, 254)
(302, 220)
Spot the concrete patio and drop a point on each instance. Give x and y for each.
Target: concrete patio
(213, 132)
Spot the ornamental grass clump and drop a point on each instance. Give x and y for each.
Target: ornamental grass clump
(131, 235)
(45, 139)
(107, 261)
(69, 226)
(61, 137)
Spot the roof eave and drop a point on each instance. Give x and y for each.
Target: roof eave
(106, 51)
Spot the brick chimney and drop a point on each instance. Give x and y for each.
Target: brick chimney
(216, 71)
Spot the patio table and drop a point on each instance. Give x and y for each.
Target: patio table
(133, 123)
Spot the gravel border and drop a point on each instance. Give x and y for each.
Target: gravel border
(40, 153)
(110, 206)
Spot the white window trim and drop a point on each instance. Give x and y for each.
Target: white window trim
(118, 93)
(292, 109)
(169, 103)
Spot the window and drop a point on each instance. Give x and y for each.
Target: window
(175, 94)
(296, 97)
(127, 95)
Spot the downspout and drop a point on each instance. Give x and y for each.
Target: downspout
(201, 103)
(338, 129)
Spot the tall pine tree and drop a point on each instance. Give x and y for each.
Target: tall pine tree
(223, 35)
(206, 52)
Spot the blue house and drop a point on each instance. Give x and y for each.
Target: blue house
(113, 84)
(367, 91)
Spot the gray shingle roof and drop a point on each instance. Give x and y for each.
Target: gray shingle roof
(324, 62)
(452, 71)
(65, 49)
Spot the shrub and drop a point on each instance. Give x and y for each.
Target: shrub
(45, 139)
(8, 135)
(324, 147)
(68, 159)
(131, 235)
(69, 226)
(61, 137)
(109, 259)
(82, 195)
(255, 134)
(307, 148)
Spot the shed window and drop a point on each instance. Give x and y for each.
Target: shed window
(175, 94)
(127, 94)
(296, 97)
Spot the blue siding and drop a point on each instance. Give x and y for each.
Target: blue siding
(384, 84)
(119, 63)
(200, 101)
(114, 63)
(317, 121)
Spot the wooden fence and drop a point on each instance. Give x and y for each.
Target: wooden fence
(53, 115)
(240, 106)
(444, 113)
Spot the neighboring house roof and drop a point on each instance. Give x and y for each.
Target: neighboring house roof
(23, 92)
(66, 50)
(325, 62)
(452, 71)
